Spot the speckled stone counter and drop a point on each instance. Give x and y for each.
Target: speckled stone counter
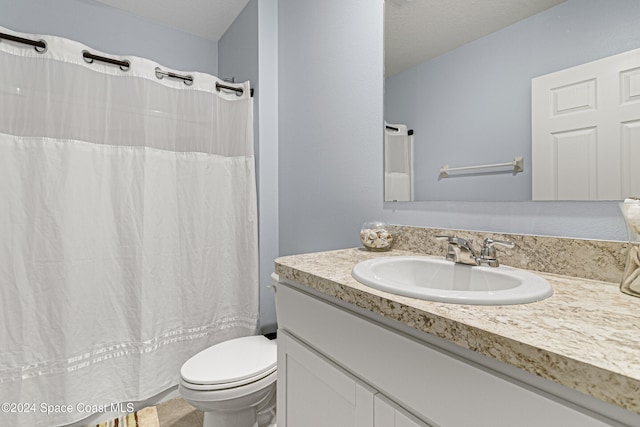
(586, 336)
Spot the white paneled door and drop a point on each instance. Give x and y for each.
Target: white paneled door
(586, 131)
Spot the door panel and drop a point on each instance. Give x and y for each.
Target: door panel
(318, 393)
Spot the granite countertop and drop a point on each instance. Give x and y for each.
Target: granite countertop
(586, 336)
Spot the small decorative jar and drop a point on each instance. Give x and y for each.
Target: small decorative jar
(377, 236)
(630, 283)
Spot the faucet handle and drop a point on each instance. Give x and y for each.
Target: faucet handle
(488, 242)
(488, 252)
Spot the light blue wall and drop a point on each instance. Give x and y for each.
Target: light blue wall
(331, 115)
(111, 31)
(479, 95)
(238, 55)
(268, 152)
(330, 63)
(247, 51)
(238, 47)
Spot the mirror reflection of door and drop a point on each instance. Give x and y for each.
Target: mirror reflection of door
(586, 131)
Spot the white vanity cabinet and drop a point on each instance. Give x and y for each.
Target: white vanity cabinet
(338, 367)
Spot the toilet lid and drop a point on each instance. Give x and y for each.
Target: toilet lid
(232, 361)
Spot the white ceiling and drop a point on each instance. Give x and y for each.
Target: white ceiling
(208, 19)
(418, 30)
(415, 30)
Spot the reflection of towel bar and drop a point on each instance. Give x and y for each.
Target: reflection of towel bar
(517, 164)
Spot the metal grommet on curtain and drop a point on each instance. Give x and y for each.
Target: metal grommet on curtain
(42, 47)
(87, 58)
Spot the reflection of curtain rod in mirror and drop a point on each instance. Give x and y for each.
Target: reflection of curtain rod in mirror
(517, 164)
(409, 132)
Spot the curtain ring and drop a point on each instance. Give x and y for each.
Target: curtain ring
(86, 58)
(41, 49)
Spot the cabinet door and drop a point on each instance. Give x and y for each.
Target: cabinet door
(313, 392)
(388, 414)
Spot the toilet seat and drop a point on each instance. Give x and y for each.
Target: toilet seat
(198, 392)
(230, 364)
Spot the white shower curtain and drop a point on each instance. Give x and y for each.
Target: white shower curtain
(398, 163)
(128, 228)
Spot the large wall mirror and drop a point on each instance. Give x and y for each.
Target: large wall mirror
(458, 77)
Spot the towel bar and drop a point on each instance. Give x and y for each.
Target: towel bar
(517, 164)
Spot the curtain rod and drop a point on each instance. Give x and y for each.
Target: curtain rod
(41, 46)
(35, 43)
(409, 132)
(90, 57)
(187, 79)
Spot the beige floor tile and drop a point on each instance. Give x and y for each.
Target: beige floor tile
(178, 413)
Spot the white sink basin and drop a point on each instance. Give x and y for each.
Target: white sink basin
(444, 281)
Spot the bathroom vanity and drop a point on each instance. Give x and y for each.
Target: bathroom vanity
(350, 355)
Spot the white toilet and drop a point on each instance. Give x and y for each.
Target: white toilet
(233, 382)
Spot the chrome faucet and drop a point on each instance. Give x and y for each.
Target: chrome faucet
(461, 251)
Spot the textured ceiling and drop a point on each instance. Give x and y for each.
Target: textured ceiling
(418, 30)
(204, 18)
